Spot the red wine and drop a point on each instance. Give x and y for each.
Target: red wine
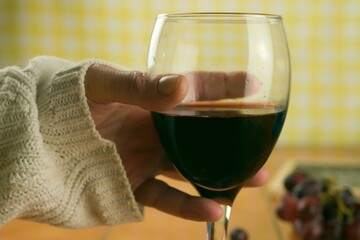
(219, 150)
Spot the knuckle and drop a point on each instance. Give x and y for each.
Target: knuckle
(138, 85)
(137, 81)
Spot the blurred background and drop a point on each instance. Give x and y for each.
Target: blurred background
(324, 113)
(324, 40)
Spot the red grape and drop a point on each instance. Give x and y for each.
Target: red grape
(238, 234)
(294, 179)
(309, 207)
(319, 209)
(308, 187)
(333, 230)
(287, 209)
(352, 230)
(309, 230)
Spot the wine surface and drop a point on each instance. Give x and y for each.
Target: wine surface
(219, 147)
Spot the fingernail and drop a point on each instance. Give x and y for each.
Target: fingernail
(167, 85)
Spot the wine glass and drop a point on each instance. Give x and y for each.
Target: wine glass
(238, 71)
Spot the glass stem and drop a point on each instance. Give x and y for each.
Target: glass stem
(218, 230)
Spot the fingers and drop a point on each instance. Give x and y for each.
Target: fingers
(104, 84)
(157, 194)
(260, 178)
(221, 85)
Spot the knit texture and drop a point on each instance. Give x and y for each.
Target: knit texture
(54, 166)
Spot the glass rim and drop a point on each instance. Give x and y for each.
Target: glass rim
(225, 16)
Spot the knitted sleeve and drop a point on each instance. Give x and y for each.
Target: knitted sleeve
(54, 166)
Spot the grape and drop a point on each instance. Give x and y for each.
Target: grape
(326, 184)
(356, 211)
(309, 207)
(330, 210)
(352, 230)
(238, 234)
(347, 197)
(309, 230)
(319, 209)
(333, 230)
(294, 179)
(287, 209)
(308, 187)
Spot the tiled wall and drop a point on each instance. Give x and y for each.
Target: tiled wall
(324, 39)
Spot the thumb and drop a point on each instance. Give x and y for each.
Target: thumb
(105, 84)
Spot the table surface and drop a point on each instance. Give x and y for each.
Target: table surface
(253, 209)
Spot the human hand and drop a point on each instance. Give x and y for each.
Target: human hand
(120, 103)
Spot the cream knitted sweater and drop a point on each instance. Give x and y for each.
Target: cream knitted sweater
(54, 166)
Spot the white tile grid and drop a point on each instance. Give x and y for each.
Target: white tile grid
(313, 112)
(337, 117)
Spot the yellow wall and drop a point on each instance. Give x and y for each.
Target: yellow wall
(324, 39)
